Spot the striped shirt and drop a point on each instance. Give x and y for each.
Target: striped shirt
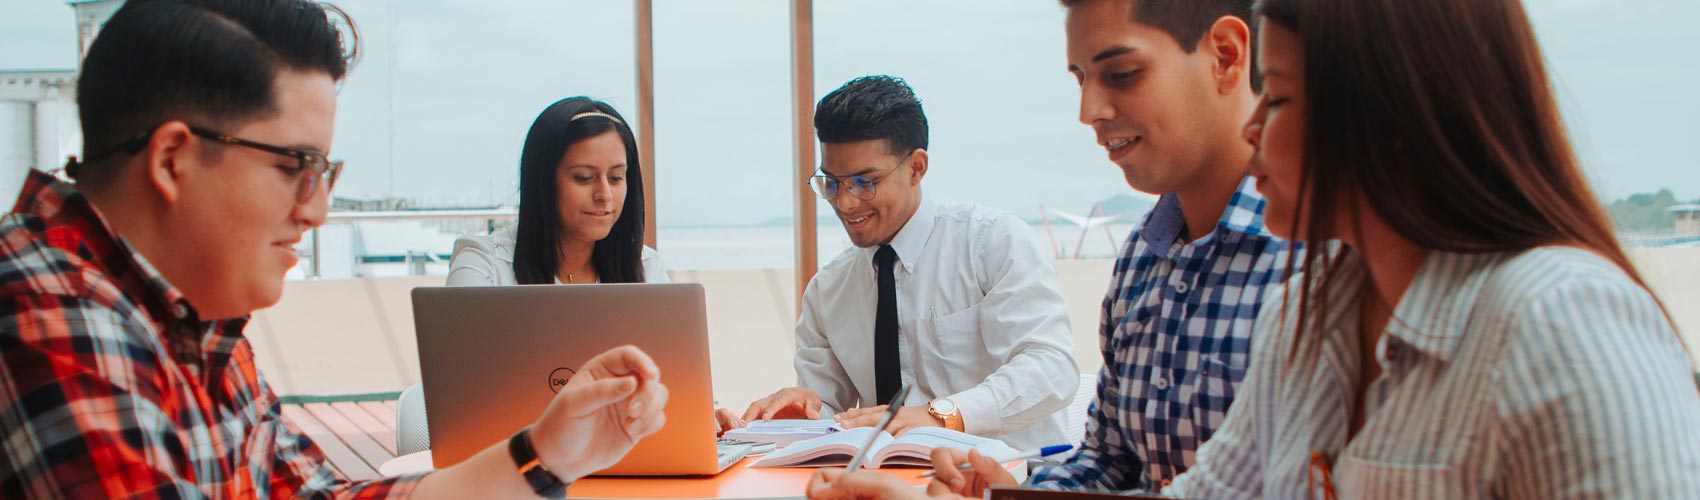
(1544, 374)
(112, 387)
(1175, 333)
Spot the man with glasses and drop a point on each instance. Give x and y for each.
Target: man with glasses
(124, 371)
(959, 301)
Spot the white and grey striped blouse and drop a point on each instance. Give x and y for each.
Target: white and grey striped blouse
(1545, 374)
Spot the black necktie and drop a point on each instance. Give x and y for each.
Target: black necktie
(887, 374)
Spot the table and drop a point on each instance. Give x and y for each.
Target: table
(738, 481)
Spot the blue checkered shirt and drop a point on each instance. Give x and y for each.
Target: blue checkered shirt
(1175, 333)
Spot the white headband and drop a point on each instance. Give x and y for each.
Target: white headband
(595, 113)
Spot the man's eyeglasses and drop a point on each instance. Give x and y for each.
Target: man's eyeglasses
(862, 187)
(311, 167)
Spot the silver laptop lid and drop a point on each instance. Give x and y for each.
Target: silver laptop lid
(492, 358)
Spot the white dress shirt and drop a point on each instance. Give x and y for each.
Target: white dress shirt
(1546, 374)
(981, 322)
(480, 260)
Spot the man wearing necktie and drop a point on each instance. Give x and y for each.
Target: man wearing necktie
(958, 300)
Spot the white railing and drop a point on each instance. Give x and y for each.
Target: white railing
(488, 214)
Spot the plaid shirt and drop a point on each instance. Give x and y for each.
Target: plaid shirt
(1176, 337)
(111, 387)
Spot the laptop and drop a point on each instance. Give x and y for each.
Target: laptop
(493, 357)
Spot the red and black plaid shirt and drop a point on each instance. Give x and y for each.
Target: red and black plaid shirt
(111, 387)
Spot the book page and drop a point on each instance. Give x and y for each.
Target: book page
(784, 432)
(915, 448)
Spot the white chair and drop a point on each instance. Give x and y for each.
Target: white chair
(412, 434)
(1083, 397)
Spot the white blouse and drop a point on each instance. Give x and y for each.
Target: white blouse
(481, 260)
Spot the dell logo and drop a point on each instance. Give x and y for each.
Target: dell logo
(558, 379)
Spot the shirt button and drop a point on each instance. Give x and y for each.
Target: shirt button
(1180, 287)
(182, 311)
(1161, 383)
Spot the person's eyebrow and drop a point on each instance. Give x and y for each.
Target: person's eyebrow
(1108, 53)
(861, 172)
(1113, 52)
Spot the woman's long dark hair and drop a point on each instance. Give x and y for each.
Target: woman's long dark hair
(617, 258)
(1439, 115)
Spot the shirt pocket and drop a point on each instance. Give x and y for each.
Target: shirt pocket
(1359, 478)
(1212, 389)
(953, 343)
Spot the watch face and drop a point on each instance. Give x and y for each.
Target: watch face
(943, 407)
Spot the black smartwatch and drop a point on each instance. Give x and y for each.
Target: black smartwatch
(542, 482)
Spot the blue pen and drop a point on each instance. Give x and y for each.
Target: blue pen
(1041, 452)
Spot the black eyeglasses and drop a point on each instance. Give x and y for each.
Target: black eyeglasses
(310, 166)
(862, 187)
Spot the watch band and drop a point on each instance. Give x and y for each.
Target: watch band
(542, 482)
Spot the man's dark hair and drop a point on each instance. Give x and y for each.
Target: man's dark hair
(212, 62)
(873, 107)
(1187, 20)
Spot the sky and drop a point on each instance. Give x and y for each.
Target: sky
(439, 104)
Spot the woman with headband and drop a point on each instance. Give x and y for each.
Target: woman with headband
(580, 208)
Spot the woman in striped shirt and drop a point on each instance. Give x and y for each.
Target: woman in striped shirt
(1477, 331)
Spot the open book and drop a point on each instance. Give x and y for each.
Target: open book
(785, 431)
(914, 449)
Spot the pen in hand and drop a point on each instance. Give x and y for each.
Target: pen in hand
(1041, 452)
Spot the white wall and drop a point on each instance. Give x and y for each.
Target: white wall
(17, 146)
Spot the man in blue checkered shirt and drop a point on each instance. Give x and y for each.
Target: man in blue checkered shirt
(1167, 86)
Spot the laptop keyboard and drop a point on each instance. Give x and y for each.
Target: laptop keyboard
(729, 453)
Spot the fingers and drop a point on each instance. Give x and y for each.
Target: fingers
(586, 398)
(857, 412)
(647, 409)
(945, 461)
(791, 402)
(755, 409)
(725, 420)
(623, 360)
(811, 408)
(865, 417)
(983, 464)
(649, 425)
(774, 406)
(820, 484)
(987, 472)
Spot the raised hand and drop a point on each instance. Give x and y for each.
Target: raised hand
(613, 401)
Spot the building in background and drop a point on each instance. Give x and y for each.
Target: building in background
(38, 108)
(1686, 219)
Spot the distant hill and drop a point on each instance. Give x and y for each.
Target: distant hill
(1644, 212)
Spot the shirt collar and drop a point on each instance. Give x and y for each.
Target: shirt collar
(73, 225)
(913, 237)
(1435, 310)
(1242, 216)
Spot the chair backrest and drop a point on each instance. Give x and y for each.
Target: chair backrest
(412, 434)
(1083, 396)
